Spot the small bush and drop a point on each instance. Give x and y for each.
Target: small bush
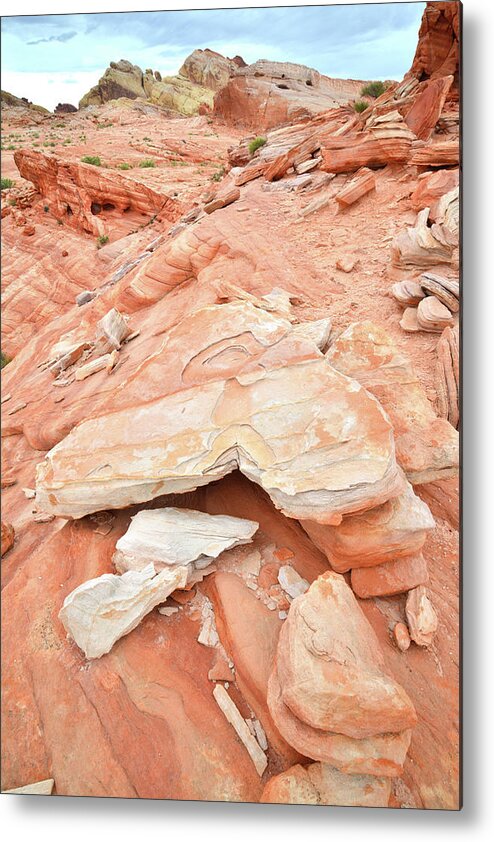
(124, 166)
(6, 183)
(91, 159)
(46, 208)
(360, 106)
(4, 359)
(11, 146)
(148, 162)
(12, 202)
(373, 89)
(102, 240)
(218, 175)
(256, 144)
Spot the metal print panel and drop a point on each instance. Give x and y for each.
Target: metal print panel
(231, 404)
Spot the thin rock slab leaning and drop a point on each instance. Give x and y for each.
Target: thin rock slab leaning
(101, 611)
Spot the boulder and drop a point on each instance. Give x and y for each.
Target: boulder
(101, 611)
(432, 315)
(65, 108)
(447, 290)
(393, 577)
(427, 107)
(348, 154)
(382, 754)
(407, 293)
(431, 188)
(427, 447)
(397, 528)
(179, 537)
(421, 245)
(363, 183)
(331, 668)
(443, 154)
(321, 784)
(243, 390)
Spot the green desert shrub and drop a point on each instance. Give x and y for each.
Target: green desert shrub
(147, 162)
(4, 359)
(91, 159)
(360, 106)
(218, 175)
(256, 144)
(102, 240)
(124, 166)
(373, 89)
(6, 183)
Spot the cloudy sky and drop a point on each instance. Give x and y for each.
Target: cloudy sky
(57, 58)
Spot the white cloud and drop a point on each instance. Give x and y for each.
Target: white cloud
(48, 89)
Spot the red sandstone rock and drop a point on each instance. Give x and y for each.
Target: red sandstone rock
(431, 188)
(351, 154)
(319, 783)
(448, 376)
(363, 183)
(437, 52)
(8, 535)
(426, 110)
(444, 154)
(421, 617)
(390, 578)
(320, 684)
(83, 195)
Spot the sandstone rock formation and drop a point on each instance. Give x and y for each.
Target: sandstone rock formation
(178, 537)
(426, 446)
(320, 783)
(279, 445)
(208, 69)
(8, 535)
(421, 617)
(102, 610)
(65, 108)
(437, 52)
(397, 528)
(121, 78)
(89, 198)
(448, 376)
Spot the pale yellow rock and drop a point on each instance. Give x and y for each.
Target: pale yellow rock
(93, 366)
(421, 617)
(40, 788)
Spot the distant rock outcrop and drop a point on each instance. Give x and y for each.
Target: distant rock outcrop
(121, 78)
(13, 101)
(266, 94)
(202, 74)
(65, 108)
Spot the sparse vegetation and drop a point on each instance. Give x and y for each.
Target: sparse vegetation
(124, 166)
(373, 89)
(46, 208)
(12, 202)
(147, 162)
(218, 175)
(360, 105)
(256, 144)
(6, 183)
(91, 159)
(4, 359)
(101, 241)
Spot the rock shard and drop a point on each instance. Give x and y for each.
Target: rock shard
(232, 714)
(101, 611)
(171, 537)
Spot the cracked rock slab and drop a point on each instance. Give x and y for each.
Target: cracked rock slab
(172, 537)
(101, 611)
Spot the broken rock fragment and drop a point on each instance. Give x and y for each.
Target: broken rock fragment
(8, 535)
(101, 611)
(421, 617)
(393, 577)
(232, 714)
(173, 537)
(322, 784)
